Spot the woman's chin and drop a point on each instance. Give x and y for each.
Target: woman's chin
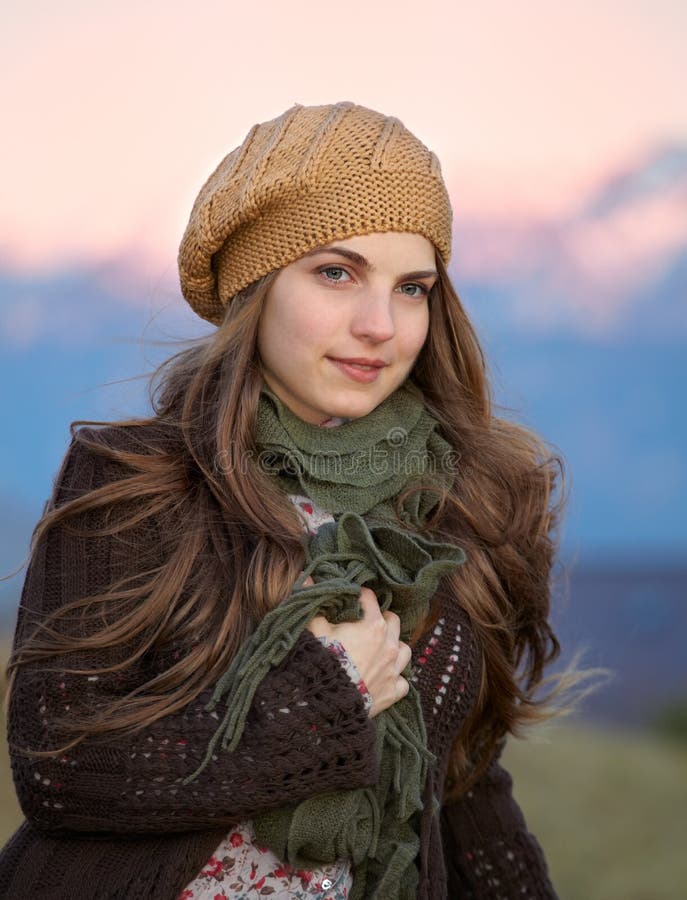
(356, 408)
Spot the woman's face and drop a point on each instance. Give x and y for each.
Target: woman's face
(342, 326)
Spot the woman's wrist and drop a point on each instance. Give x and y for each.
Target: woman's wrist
(338, 649)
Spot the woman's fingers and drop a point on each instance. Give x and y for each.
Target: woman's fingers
(405, 654)
(369, 605)
(402, 688)
(374, 646)
(393, 623)
(372, 612)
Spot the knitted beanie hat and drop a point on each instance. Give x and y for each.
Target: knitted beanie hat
(313, 175)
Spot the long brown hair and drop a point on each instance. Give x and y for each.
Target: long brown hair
(233, 542)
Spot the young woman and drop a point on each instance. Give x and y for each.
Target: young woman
(272, 638)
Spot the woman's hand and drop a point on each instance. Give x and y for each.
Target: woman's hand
(374, 646)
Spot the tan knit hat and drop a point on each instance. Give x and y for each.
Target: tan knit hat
(313, 175)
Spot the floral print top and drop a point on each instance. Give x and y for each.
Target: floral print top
(241, 869)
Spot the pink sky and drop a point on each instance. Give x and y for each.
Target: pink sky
(116, 112)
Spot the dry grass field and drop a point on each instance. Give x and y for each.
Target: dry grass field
(609, 808)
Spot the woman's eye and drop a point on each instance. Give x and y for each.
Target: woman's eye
(338, 273)
(420, 290)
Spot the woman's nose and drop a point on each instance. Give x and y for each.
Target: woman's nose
(374, 319)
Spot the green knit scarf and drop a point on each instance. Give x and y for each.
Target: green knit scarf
(354, 471)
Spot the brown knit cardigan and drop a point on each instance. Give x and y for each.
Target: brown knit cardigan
(114, 819)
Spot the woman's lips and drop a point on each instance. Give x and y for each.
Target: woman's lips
(364, 374)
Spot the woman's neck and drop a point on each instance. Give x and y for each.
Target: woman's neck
(333, 421)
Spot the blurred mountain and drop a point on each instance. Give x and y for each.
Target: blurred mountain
(662, 174)
(630, 619)
(614, 268)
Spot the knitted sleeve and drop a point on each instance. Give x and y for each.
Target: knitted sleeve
(307, 731)
(488, 850)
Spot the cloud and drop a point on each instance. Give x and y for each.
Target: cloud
(595, 269)
(117, 300)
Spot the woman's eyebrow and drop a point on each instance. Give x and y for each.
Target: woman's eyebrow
(364, 263)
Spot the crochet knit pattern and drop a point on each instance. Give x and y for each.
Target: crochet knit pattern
(115, 819)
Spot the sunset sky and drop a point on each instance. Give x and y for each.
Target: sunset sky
(114, 113)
